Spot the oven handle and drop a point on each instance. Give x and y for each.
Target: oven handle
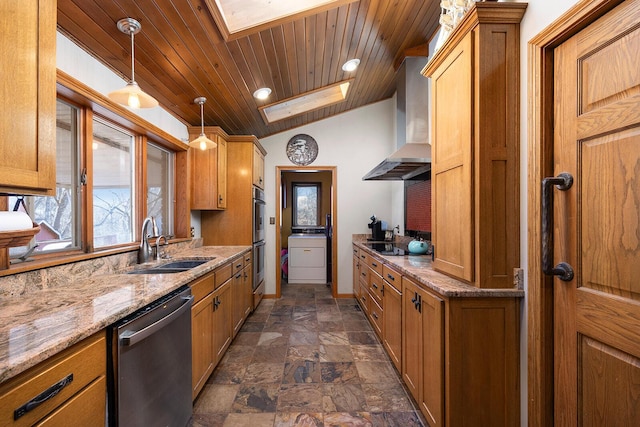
(129, 338)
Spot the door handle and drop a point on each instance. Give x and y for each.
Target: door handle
(562, 182)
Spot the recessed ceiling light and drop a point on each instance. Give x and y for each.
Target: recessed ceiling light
(351, 65)
(262, 93)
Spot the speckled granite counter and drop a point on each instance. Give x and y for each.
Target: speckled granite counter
(43, 322)
(418, 268)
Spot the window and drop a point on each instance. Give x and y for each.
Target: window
(160, 189)
(57, 215)
(306, 204)
(113, 185)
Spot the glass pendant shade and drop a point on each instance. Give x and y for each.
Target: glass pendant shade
(202, 142)
(131, 95)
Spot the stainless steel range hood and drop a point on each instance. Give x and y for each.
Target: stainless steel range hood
(413, 157)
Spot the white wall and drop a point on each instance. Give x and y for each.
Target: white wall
(80, 65)
(353, 142)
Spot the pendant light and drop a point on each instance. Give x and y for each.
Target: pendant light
(131, 95)
(202, 142)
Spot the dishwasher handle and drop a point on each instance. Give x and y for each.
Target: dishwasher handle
(129, 338)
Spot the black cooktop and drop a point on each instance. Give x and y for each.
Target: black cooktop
(389, 248)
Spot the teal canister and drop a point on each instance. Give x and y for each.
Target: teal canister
(418, 247)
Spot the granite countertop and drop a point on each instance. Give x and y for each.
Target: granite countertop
(36, 326)
(418, 268)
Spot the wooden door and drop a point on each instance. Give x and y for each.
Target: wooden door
(411, 338)
(392, 329)
(597, 223)
(432, 401)
(222, 326)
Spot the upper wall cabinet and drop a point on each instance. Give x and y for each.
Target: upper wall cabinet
(28, 97)
(258, 167)
(475, 145)
(208, 171)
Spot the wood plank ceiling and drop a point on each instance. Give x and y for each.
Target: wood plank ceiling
(180, 55)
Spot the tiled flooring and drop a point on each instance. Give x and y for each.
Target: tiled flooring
(305, 359)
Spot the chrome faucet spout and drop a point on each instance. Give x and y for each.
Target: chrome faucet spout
(144, 251)
(160, 254)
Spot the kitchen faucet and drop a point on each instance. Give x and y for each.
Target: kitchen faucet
(159, 254)
(144, 251)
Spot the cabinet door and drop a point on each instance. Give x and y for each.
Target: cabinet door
(87, 408)
(222, 327)
(28, 122)
(258, 168)
(453, 223)
(431, 402)
(237, 301)
(247, 290)
(202, 356)
(356, 275)
(411, 338)
(392, 324)
(204, 178)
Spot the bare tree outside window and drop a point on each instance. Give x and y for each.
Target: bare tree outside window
(306, 204)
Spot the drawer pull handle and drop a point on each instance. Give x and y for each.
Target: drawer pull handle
(374, 315)
(391, 277)
(374, 286)
(374, 264)
(43, 397)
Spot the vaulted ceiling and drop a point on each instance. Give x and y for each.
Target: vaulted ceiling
(181, 54)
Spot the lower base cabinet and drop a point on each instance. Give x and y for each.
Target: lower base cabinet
(460, 357)
(82, 398)
(222, 301)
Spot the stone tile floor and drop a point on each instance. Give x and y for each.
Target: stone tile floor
(305, 359)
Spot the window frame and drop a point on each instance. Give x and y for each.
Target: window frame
(91, 103)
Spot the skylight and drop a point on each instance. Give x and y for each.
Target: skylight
(238, 18)
(306, 102)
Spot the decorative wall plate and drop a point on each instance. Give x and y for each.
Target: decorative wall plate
(302, 149)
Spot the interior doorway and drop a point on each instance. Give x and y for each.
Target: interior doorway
(323, 179)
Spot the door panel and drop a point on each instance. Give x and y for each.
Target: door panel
(597, 140)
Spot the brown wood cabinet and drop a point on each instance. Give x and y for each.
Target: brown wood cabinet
(423, 338)
(222, 302)
(460, 357)
(233, 225)
(202, 354)
(475, 145)
(28, 122)
(82, 399)
(258, 167)
(392, 323)
(208, 171)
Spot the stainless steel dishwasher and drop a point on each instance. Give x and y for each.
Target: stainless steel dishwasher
(150, 364)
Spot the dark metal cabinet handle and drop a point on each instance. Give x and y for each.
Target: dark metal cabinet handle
(562, 182)
(374, 315)
(391, 277)
(220, 198)
(374, 286)
(374, 264)
(43, 397)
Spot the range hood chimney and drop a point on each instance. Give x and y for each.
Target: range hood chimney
(413, 156)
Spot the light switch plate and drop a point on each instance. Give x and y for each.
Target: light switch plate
(272, 220)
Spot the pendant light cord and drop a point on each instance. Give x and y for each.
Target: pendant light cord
(133, 58)
(201, 118)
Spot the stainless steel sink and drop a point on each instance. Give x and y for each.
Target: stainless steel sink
(177, 266)
(185, 263)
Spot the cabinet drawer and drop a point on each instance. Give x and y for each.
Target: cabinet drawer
(247, 258)
(363, 299)
(364, 276)
(375, 314)
(86, 409)
(202, 287)
(223, 274)
(375, 287)
(83, 362)
(238, 265)
(356, 252)
(375, 264)
(393, 277)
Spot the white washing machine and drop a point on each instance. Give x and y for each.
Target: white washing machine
(307, 258)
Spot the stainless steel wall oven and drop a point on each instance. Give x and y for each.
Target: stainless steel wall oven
(258, 236)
